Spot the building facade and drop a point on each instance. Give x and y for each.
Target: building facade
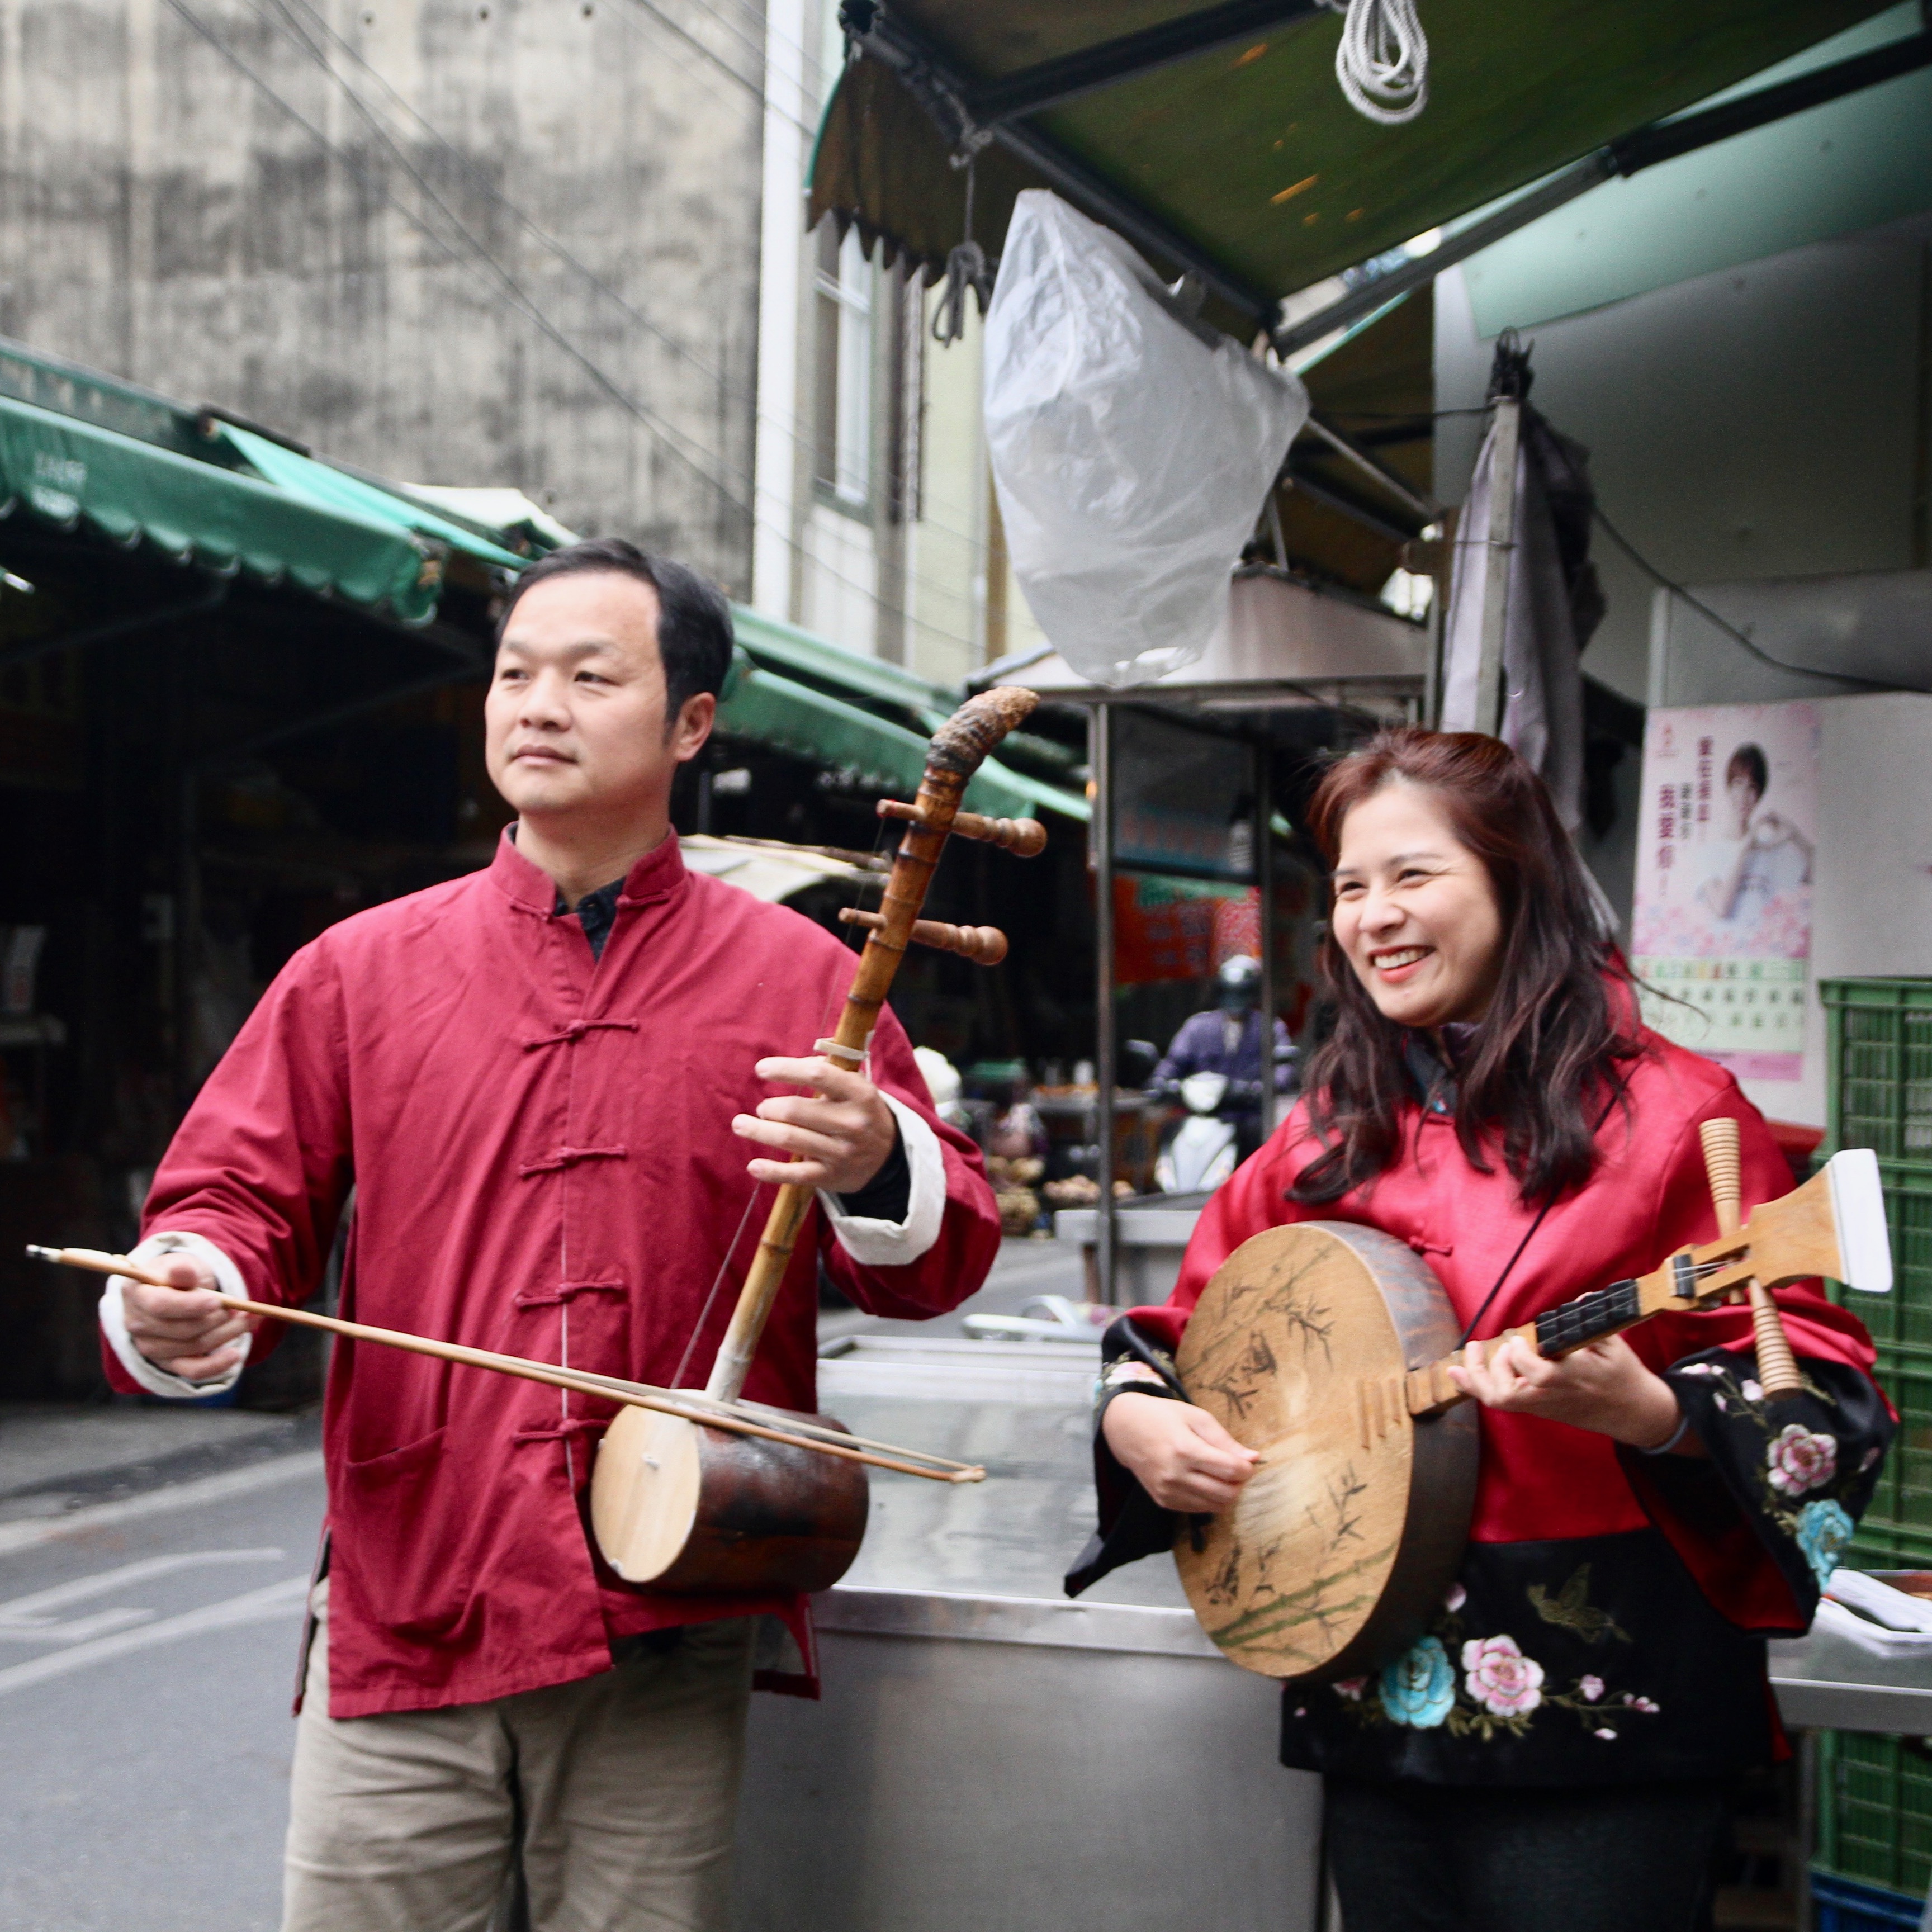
(472, 242)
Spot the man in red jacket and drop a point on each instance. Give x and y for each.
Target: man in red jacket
(539, 1080)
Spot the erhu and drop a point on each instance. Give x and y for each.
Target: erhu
(702, 1492)
(1327, 1346)
(679, 1506)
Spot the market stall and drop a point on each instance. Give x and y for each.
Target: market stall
(950, 1657)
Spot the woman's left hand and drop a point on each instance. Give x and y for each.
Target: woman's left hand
(1604, 1387)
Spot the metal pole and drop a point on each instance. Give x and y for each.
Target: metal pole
(1498, 555)
(1100, 760)
(1443, 577)
(1264, 892)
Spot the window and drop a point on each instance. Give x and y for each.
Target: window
(842, 457)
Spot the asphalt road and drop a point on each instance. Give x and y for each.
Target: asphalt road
(147, 1661)
(147, 1652)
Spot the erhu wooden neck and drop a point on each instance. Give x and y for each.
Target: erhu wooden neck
(959, 748)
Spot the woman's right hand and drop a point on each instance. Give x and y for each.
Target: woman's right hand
(1182, 1457)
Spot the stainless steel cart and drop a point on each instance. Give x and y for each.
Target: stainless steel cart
(988, 1756)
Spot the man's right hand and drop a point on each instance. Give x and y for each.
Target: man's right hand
(1184, 1459)
(183, 1329)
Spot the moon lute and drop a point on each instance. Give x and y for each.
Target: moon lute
(1326, 1346)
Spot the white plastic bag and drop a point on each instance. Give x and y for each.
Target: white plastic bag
(1131, 457)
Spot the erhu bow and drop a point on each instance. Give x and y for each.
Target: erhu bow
(699, 1490)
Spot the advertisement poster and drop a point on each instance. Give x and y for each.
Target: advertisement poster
(1721, 933)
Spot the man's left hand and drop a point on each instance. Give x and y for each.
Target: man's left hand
(839, 1135)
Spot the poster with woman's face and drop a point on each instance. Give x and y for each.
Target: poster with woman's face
(1721, 932)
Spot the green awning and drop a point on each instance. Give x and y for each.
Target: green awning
(1842, 167)
(335, 489)
(789, 648)
(62, 471)
(874, 720)
(1247, 153)
(769, 709)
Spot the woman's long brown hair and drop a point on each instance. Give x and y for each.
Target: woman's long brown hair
(1549, 1052)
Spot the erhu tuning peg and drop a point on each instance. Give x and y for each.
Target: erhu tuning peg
(1023, 838)
(1778, 1373)
(984, 945)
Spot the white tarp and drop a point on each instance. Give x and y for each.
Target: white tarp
(1132, 446)
(1552, 605)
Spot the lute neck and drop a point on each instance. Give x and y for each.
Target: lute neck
(1558, 1331)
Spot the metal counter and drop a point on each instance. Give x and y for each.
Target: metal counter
(1825, 1682)
(1150, 1235)
(989, 1756)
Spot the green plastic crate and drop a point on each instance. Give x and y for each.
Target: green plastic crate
(1875, 1810)
(1896, 1532)
(1875, 1793)
(1879, 1048)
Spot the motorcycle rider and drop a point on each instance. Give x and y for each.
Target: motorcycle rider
(1227, 1040)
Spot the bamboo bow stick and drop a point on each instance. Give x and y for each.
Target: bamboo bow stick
(688, 1404)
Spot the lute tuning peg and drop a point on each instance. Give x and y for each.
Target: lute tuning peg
(1778, 1374)
(984, 945)
(1023, 838)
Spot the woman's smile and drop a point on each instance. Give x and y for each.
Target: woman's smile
(1397, 965)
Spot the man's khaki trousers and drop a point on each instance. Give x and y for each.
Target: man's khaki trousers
(619, 1791)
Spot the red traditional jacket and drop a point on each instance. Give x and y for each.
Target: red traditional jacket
(540, 1145)
(1606, 1624)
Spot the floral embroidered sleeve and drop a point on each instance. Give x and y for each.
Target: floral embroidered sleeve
(1788, 1480)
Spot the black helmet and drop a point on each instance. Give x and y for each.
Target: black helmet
(1240, 982)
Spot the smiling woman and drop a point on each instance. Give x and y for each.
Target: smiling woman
(1557, 1744)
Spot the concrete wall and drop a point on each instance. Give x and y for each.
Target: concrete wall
(476, 241)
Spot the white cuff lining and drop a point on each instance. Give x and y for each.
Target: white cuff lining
(156, 1380)
(872, 1243)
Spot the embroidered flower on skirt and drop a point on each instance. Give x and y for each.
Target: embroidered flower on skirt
(1500, 1678)
(1590, 1688)
(1823, 1531)
(1800, 1460)
(1350, 1687)
(1419, 1688)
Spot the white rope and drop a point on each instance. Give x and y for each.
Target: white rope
(1382, 60)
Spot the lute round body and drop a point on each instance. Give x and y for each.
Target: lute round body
(690, 1510)
(1343, 1542)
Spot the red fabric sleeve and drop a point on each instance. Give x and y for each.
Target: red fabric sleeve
(261, 1166)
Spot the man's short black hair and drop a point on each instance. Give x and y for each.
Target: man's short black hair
(693, 620)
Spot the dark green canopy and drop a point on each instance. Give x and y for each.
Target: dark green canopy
(1246, 152)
